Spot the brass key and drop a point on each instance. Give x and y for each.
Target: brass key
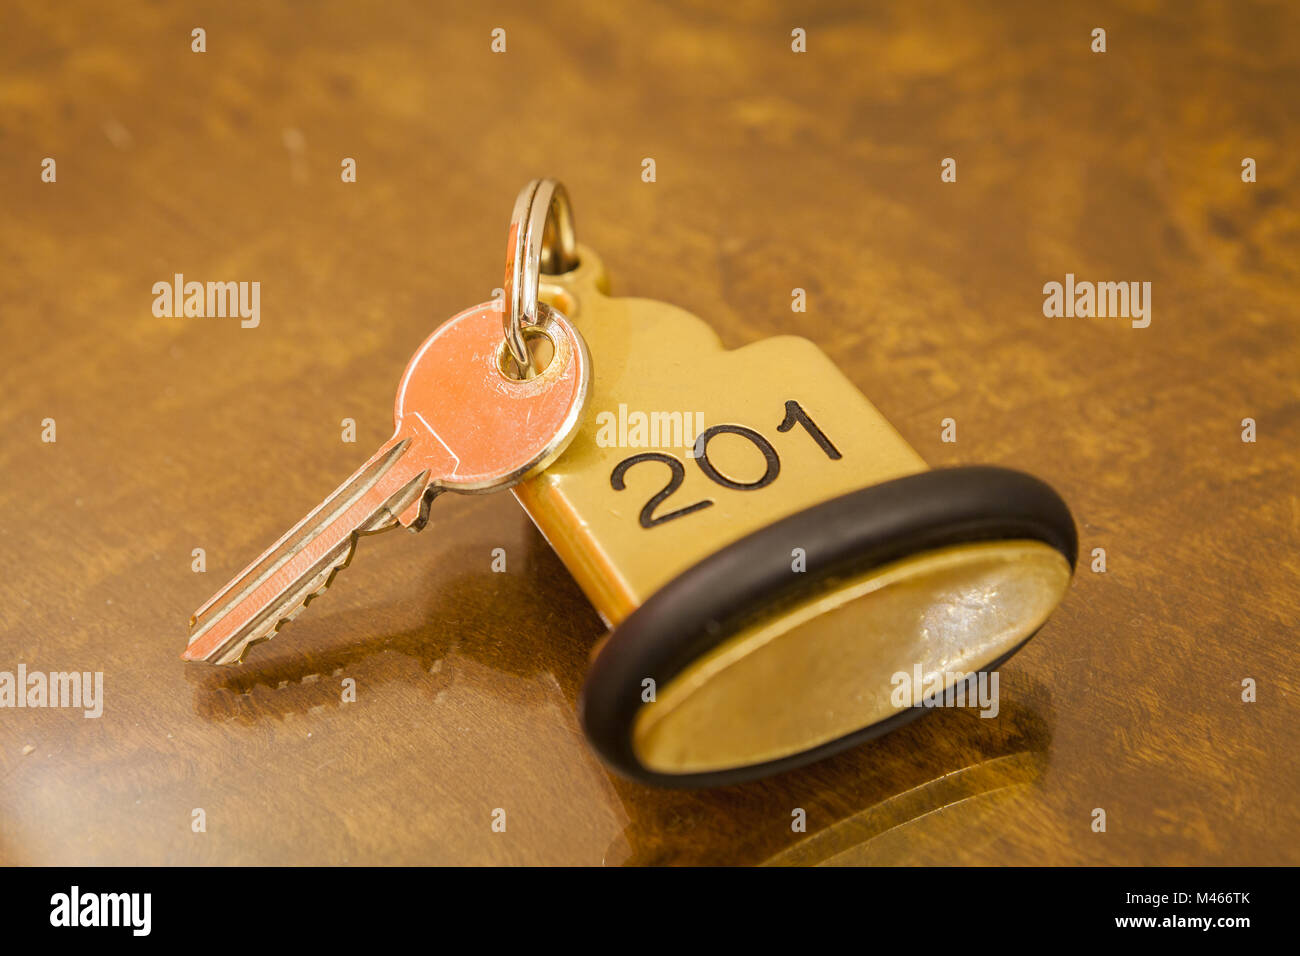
(466, 420)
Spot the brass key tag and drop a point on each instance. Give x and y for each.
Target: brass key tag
(769, 552)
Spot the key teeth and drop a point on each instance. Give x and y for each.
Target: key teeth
(414, 492)
(329, 574)
(243, 651)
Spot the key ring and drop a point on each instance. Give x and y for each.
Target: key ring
(542, 239)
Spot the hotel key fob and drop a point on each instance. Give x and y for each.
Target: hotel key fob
(771, 557)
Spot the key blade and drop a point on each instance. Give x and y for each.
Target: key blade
(272, 590)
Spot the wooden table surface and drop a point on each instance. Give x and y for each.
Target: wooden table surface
(775, 170)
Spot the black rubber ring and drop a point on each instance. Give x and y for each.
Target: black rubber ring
(751, 578)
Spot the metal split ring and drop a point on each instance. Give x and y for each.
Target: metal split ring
(541, 240)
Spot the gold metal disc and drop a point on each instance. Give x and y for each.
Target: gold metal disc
(828, 667)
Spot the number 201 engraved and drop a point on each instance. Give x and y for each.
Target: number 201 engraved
(794, 415)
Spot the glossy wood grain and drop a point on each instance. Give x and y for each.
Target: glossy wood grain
(774, 170)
